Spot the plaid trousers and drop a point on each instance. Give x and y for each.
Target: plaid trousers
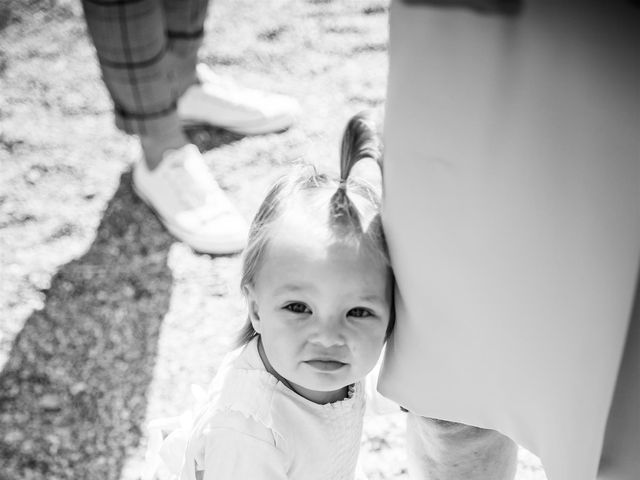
(147, 50)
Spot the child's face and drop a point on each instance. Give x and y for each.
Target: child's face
(321, 307)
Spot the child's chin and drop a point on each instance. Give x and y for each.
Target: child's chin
(328, 386)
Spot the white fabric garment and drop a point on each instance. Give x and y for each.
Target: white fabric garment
(254, 427)
(512, 212)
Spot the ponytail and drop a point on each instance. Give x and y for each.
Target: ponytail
(360, 141)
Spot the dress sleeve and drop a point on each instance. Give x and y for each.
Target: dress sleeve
(240, 447)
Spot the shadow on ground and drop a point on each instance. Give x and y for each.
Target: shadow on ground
(209, 138)
(73, 393)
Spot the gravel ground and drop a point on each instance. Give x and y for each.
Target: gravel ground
(107, 320)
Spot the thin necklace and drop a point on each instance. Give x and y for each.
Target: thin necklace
(280, 378)
(270, 369)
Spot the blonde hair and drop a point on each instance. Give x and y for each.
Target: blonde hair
(360, 141)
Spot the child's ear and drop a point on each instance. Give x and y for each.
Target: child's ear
(252, 304)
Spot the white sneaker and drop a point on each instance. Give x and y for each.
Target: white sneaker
(220, 102)
(190, 203)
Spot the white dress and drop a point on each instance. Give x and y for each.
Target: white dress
(254, 427)
(512, 212)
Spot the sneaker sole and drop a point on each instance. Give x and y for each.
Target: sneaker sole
(223, 248)
(273, 126)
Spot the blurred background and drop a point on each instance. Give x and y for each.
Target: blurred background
(105, 319)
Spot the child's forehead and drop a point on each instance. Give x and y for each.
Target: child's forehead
(296, 230)
(302, 221)
(296, 245)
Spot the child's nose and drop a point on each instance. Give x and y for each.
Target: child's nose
(329, 333)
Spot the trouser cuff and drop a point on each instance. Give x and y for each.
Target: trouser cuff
(155, 124)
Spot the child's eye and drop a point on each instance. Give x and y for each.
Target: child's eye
(297, 307)
(359, 312)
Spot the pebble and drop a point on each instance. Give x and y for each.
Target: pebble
(50, 401)
(13, 437)
(77, 388)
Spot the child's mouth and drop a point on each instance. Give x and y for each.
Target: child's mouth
(325, 365)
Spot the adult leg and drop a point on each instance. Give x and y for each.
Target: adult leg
(145, 72)
(440, 450)
(132, 48)
(185, 32)
(207, 98)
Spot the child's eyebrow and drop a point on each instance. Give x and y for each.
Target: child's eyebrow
(292, 287)
(373, 297)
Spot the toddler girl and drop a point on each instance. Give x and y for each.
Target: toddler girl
(289, 402)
